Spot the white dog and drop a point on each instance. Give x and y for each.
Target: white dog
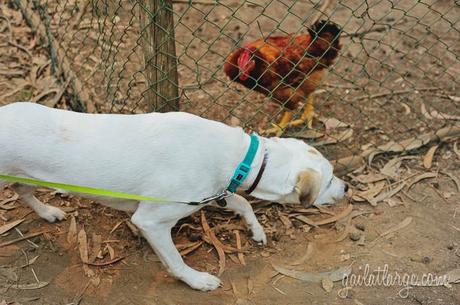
(176, 156)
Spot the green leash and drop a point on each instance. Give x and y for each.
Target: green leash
(103, 192)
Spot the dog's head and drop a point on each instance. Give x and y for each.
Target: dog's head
(309, 175)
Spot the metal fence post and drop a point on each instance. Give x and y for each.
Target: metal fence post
(160, 60)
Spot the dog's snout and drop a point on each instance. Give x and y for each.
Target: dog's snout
(345, 188)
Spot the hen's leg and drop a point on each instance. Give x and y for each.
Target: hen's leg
(307, 115)
(279, 128)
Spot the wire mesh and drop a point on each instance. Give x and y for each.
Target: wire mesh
(396, 75)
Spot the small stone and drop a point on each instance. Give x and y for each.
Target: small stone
(355, 236)
(426, 259)
(360, 226)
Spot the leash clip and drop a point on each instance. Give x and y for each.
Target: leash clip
(219, 198)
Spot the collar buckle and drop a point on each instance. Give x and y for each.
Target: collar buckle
(242, 171)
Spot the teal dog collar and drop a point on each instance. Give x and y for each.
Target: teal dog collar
(242, 171)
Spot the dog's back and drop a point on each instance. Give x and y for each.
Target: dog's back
(102, 150)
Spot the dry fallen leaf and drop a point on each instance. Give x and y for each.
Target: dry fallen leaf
(370, 178)
(191, 248)
(315, 277)
(304, 258)
(306, 220)
(337, 217)
(96, 246)
(333, 139)
(132, 227)
(215, 242)
(6, 227)
(444, 116)
(372, 192)
(332, 123)
(420, 178)
(238, 246)
(111, 251)
(391, 168)
(72, 234)
(386, 195)
(4, 204)
(428, 158)
(397, 147)
(83, 245)
(32, 286)
(424, 111)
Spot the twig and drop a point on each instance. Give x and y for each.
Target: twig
(341, 86)
(363, 33)
(35, 275)
(373, 96)
(113, 261)
(7, 243)
(29, 241)
(320, 12)
(22, 48)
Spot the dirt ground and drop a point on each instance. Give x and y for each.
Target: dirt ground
(406, 212)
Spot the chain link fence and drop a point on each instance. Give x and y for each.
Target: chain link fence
(394, 82)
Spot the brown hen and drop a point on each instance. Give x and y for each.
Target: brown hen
(287, 68)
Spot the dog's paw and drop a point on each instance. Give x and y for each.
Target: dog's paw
(202, 281)
(52, 214)
(258, 235)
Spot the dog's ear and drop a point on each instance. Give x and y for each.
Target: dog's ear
(308, 186)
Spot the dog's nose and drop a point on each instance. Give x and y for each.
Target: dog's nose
(345, 188)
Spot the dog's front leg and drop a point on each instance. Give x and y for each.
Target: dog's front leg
(241, 206)
(155, 222)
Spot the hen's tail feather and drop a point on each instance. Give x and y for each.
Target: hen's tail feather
(325, 39)
(322, 27)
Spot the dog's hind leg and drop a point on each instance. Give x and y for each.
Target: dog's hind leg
(155, 222)
(45, 211)
(241, 206)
